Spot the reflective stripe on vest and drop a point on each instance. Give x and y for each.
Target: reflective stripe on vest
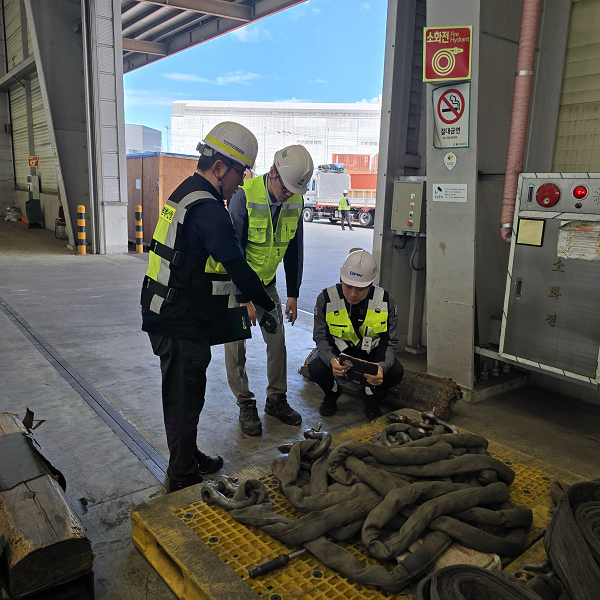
(264, 251)
(172, 215)
(343, 205)
(340, 326)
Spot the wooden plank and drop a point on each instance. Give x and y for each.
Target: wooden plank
(134, 172)
(46, 543)
(150, 198)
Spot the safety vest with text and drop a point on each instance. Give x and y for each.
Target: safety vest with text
(340, 326)
(343, 205)
(176, 282)
(265, 249)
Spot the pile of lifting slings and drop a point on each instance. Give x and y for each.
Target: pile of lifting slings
(406, 496)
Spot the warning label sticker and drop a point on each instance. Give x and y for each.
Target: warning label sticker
(580, 240)
(451, 116)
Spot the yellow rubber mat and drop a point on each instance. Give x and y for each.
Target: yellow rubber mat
(233, 548)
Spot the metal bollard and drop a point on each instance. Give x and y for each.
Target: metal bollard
(139, 230)
(81, 235)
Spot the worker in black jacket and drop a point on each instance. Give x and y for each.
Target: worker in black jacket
(194, 256)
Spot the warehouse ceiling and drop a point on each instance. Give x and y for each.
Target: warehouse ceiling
(158, 28)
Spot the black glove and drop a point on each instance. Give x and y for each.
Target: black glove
(270, 321)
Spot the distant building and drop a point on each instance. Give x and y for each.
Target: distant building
(140, 139)
(325, 129)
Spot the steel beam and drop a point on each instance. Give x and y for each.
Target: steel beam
(218, 8)
(144, 47)
(17, 73)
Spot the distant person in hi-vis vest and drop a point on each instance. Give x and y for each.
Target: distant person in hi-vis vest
(266, 212)
(194, 256)
(344, 208)
(359, 319)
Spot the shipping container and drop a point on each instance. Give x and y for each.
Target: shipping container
(354, 162)
(363, 181)
(151, 179)
(375, 164)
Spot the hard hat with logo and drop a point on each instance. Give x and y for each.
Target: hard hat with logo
(359, 269)
(295, 167)
(233, 141)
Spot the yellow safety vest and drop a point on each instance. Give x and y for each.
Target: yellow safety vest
(343, 204)
(170, 281)
(265, 249)
(340, 326)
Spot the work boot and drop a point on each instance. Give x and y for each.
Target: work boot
(328, 407)
(371, 410)
(249, 419)
(174, 486)
(207, 464)
(283, 411)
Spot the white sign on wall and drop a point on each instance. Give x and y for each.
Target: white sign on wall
(449, 192)
(451, 116)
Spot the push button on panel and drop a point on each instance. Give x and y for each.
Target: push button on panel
(547, 195)
(409, 223)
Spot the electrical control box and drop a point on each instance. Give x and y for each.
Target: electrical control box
(407, 206)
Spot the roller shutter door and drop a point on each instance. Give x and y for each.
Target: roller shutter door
(43, 149)
(577, 147)
(12, 26)
(19, 135)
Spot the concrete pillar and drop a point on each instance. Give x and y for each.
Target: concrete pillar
(451, 226)
(401, 157)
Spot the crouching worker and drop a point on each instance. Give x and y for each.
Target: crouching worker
(359, 319)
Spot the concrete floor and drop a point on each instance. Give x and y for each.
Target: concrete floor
(87, 309)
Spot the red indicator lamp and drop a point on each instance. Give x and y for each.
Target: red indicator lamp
(580, 192)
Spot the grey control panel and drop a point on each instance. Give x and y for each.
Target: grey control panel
(407, 207)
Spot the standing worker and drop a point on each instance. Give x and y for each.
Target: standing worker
(359, 319)
(185, 291)
(266, 213)
(344, 208)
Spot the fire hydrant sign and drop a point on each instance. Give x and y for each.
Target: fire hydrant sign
(451, 116)
(32, 161)
(447, 53)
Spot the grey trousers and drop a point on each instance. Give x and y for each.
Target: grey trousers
(235, 358)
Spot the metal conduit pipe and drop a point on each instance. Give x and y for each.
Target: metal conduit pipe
(520, 113)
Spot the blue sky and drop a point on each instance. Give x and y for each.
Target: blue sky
(318, 51)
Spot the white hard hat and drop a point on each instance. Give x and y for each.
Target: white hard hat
(345, 192)
(359, 269)
(295, 167)
(233, 141)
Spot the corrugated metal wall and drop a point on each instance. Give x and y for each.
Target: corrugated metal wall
(577, 147)
(43, 149)
(19, 134)
(12, 20)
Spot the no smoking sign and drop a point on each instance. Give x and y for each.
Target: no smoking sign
(451, 115)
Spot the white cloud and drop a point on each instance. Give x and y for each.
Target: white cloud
(364, 6)
(146, 98)
(239, 77)
(317, 81)
(295, 100)
(316, 11)
(251, 33)
(371, 101)
(186, 77)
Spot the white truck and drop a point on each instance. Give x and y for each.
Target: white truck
(323, 194)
